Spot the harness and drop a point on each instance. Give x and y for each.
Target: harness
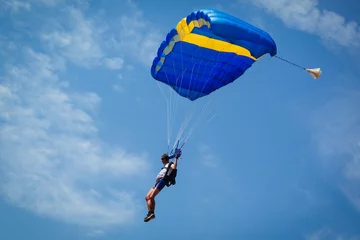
(170, 179)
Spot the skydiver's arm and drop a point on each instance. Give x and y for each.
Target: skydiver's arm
(174, 166)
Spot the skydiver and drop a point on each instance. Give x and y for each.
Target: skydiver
(162, 179)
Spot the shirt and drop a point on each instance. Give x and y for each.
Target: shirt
(162, 172)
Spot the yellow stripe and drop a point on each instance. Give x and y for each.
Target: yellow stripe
(184, 31)
(185, 34)
(217, 45)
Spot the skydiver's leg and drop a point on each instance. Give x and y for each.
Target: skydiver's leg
(150, 198)
(157, 189)
(147, 199)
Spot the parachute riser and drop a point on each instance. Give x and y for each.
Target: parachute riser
(177, 146)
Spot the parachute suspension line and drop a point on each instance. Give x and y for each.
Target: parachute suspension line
(187, 120)
(174, 101)
(162, 91)
(192, 70)
(180, 78)
(205, 107)
(174, 98)
(183, 127)
(177, 97)
(208, 80)
(185, 124)
(168, 106)
(191, 132)
(225, 65)
(167, 111)
(222, 68)
(282, 59)
(200, 120)
(204, 110)
(172, 107)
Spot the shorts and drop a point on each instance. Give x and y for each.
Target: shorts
(160, 184)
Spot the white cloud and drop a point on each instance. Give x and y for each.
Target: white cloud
(49, 3)
(76, 38)
(86, 101)
(118, 88)
(6, 46)
(337, 134)
(207, 156)
(259, 22)
(85, 40)
(52, 162)
(307, 16)
(137, 36)
(114, 63)
(15, 6)
(320, 234)
(96, 233)
(219, 6)
(326, 233)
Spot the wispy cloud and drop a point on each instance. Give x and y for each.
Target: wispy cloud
(308, 17)
(75, 38)
(320, 234)
(326, 233)
(118, 88)
(115, 63)
(337, 134)
(208, 158)
(93, 41)
(137, 36)
(52, 161)
(6, 46)
(15, 6)
(50, 3)
(96, 233)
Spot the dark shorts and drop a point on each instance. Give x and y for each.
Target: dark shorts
(160, 184)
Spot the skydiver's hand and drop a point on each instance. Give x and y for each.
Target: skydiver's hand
(178, 153)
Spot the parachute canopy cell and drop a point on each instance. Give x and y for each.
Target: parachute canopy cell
(208, 50)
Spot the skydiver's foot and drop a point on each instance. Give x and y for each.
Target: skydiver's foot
(149, 216)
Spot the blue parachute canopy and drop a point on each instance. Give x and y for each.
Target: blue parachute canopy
(208, 50)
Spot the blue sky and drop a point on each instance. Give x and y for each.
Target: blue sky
(83, 125)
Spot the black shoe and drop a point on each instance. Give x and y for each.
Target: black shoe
(149, 216)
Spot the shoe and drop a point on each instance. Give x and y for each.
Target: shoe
(149, 216)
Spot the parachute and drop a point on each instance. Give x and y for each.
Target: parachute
(208, 50)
